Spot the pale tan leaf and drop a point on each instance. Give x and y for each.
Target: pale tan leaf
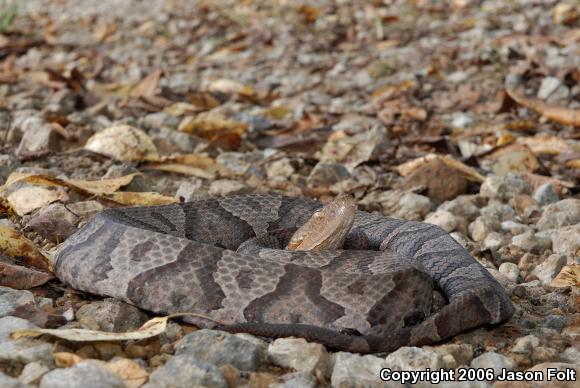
(104, 186)
(148, 86)
(469, 172)
(515, 157)
(123, 142)
(545, 144)
(212, 128)
(26, 199)
(195, 165)
(151, 328)
(230, 87)
(140, 198)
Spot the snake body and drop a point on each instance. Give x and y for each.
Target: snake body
(373, 296)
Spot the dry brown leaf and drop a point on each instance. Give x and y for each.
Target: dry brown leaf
(354, 150)
(37, 191)
(204, 101)
(103, 31)
(569, 276)
(123, 142)
(151, 328)
(132, 374)
(214, 129)
(573, 163)
(516, 157)
(28, 198)
(140, 198)
(470, 173)
(66, 359)
(181, 109)
(536, 181)
(545, 144)
(195, 165)
(230, 87)
(148, 86)
(277, 112)
(104, 186)
(555, 113)
(13, 244)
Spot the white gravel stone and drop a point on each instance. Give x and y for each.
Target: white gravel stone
(532, 242)
(444, 219)
(84, 374)
(298, 354)
(562, 213)
(551, 267)
(494, 360)
(513, 227)
(411, 203)
(510, 270)
(281, 167)
(453, 355)
(571, 354)
(567, 241)
(493, 241)
(223, 187)
(526, 344)
(186, 371)
(355, 371)
(546, 194)
(414, 358)
(482, 226)
(547, 87)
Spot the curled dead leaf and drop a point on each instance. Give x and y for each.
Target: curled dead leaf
(469, 172)
(104, 186)
(123, 142)
(14, 244)
(214, 129)
(148, 86)
(515, 157)
(25, 199)
(151, 328)
(545, 144)
(25, 193)
(354, 150)
(230, 87)
(194, 165)
(555, 113)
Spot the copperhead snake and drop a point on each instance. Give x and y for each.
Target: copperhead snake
(221, 257)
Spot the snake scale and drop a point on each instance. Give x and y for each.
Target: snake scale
(374, 295)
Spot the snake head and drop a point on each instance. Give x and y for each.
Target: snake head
(327, 228)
